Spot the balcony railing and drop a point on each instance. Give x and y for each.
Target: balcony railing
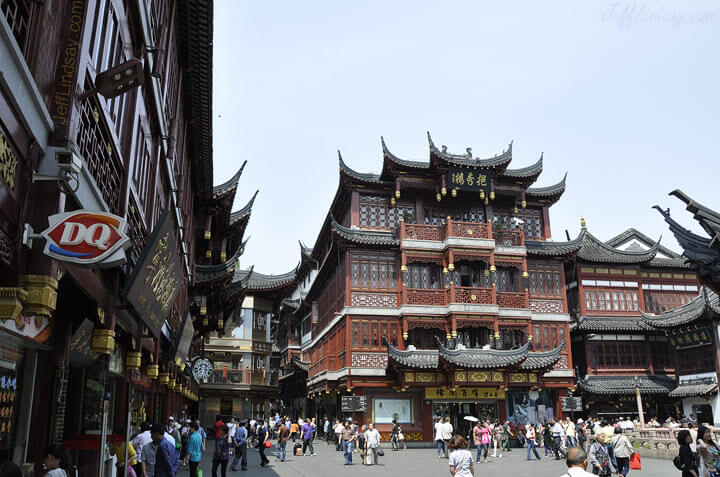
(243, 376)
(421, 296)
(450, 228)
(509, 238)
(512, 299)
(469, 295)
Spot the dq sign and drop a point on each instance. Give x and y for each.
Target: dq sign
(87, 238)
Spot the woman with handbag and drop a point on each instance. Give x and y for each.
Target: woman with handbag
(623, 450)
(460, 459)
(222, 451)
(598, 457)
(263, 441)
(709, 452)
(401, 439)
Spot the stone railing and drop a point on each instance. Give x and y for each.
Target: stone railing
(657, 442)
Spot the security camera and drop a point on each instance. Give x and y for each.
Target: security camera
(68, 161)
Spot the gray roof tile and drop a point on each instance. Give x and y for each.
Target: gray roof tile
(689, 390)
(688, 313)
(614, 385)
(424, 359)
(484, 358)
(364, 237)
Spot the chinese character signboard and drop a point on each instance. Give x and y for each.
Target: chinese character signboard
(691, 338)
(353, 403)
(157, 277)
(96, 239)
(464, 393)
(569, 404)
(469, 178)
(183, 340)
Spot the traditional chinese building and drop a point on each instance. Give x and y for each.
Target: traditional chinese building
(105, 107)
(611, 287)
(439, 292)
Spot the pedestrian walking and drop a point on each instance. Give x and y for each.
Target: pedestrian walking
(174, 431)
(338, 435)
(570, 433)
(580, 430)
(58, 462)
(283, 436)
(326, 431)
(307, 438)
(623, 449)
(438, 437)
(599, 458)
(688, 458)
(221, 455)
(531, 438)
(262, 436)
(361, 445)
(138, 442)
(218, 424)
(401, 439)
(498, 438)
(557, 439)
(547, 439)
(447, 434)
(709, 452)
(394, 435)
(348, 438)
(148, 453)
(372, 442)
(166, 456)
(460, 459)
(507, 432)
(485, 437)
(240, 442)
(577, 462)
(194, 449)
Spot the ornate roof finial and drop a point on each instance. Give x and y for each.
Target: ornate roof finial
(583, 224)
(469, 151)
(444, 148)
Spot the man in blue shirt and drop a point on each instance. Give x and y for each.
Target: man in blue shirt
(166, 458)
(240, 440)
(194, 449)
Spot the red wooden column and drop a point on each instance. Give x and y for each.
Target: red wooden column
(404, 332)
(453, 324)
(355, 208)
(546, 222)
(562, 392)
(348, 279)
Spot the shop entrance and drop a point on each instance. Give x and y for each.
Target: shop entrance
(457, 411)
(702, 413)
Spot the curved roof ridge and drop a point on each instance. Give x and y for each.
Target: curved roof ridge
(681, 315)
(367, 237)
(484, 358)
(527, 171)
(595, 250)
(708, 219)
(548, 190)
(230, 184)
(623, 236)
(551, 248)
(245, 211)
(712, 300)
(423, 358)
(403, 162)
(467, 160)
(543, 359)
(361, 176)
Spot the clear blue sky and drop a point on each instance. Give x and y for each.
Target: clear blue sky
(622, 96)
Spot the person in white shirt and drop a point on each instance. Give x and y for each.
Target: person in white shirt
(576, 461)
(460, 460)
(447, 434)
(141, 440)
(372, 442)
(439, 438)
(232, 426)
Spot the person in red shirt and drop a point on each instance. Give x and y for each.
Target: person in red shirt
(218, 426)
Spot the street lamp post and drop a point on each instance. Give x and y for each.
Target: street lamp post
(641, 417)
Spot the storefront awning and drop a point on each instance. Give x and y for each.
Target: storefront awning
(688, 390)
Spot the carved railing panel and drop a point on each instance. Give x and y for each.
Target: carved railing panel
(422, 232)
(469, 229)
(508, 238)
(512, 299)
(546, 306)
(380, 300)
(417, 296)
(473, 295)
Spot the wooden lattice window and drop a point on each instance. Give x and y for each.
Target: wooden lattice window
(373, 333)
(423, 338)
(374, 272)
(138, 231)
(376, 212)
(510, 339)
(545, 278)
(547, 337)
(101, 157)
(696, 360)
(618, 354)
(423, 275)
(476, 337)
(662, 297)
(507, 279)
(142, 167)
(661, 355)
(531, 221)
(597, 299)
(18, 14)
(438, 216)
(470, 274)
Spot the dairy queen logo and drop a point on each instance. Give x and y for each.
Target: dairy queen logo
(87, 238)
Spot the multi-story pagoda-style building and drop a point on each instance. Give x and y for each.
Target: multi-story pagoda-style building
(439, 292)
(611, 285)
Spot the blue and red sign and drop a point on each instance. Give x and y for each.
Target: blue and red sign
(87, 238)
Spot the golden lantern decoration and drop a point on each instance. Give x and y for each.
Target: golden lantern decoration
(453, 192)
(523, 204)
(443, 191)
(451, 267)
(207, 235)
(163, 378)
(486, 272)
(454, 334)
(405, 335)
(178, 360)
(223, 256)
(403, 268)
(103, 341)
(133, 359)
(208, 253)
(445, 271)
(153, 370)
(515, 210)
(493, 269)
(392, 201)
(482, 194)
(203, 310)
(397, 194)
(182, 366)
(497, 335)
(205, 321)
(438, 197)
(492, 195)
(583, 224)
(530, 337)
(526, 274)
(171, 385)
(486, 201)
(447, 336)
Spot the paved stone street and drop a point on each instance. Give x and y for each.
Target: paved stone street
(413, 462)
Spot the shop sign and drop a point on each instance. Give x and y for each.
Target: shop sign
(157, 277)
(469, 178)
(96, 239)
(570, 404)
(116, 361)
(80, 344)
(464, 393)
(140, 379)
(353, 403)
(202, 368)
(691, 338)
(184, 339)
(8, 388)
(36, 328)
(260, 347)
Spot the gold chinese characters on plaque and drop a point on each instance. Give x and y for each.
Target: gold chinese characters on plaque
(464, 393)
